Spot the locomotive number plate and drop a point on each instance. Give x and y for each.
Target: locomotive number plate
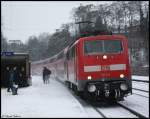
(105, 67)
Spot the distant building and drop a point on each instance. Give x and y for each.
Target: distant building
(15, 41)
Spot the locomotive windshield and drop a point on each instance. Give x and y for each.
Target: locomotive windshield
(102, 46)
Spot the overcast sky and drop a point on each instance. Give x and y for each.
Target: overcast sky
(23, 19)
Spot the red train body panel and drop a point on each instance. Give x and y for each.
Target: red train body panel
(97, 59)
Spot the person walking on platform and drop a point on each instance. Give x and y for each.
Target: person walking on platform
(46, 75)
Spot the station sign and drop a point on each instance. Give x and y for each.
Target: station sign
(7, 53)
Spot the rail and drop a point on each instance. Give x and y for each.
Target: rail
(140, 95)
(132, 111)
(141, 90)
(99, 111)
(140, 80)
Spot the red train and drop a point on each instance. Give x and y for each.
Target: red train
(95, 66)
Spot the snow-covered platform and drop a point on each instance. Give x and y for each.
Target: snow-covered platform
(41, 100)
(55, 100)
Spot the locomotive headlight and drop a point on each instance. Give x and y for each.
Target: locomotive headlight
(89, 77)
(123, 86)
(91, 88)
(105, 57)
(121, 75)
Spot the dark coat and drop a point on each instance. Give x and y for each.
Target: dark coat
(13, 77)
(46, 72)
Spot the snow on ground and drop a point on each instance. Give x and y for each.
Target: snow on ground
(144, 94)
(146, 78)
(41, 100)
(137, 103)
(140, 85)
(54, 100)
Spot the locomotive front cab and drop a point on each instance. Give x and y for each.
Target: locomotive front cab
(104, 66)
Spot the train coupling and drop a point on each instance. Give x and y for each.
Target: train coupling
(107, 93)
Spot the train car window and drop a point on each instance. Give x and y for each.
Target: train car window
(93, 47)
(102, 46)
(112, 46)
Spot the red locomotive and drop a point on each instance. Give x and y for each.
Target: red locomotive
(95, 66)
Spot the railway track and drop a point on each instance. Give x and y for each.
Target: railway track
(138, 91)
(99, 111)
(119, 110)
(141, 90)
(106, 111)
(135, 80)
(133, 111)
(114, 111)
(140, 95)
